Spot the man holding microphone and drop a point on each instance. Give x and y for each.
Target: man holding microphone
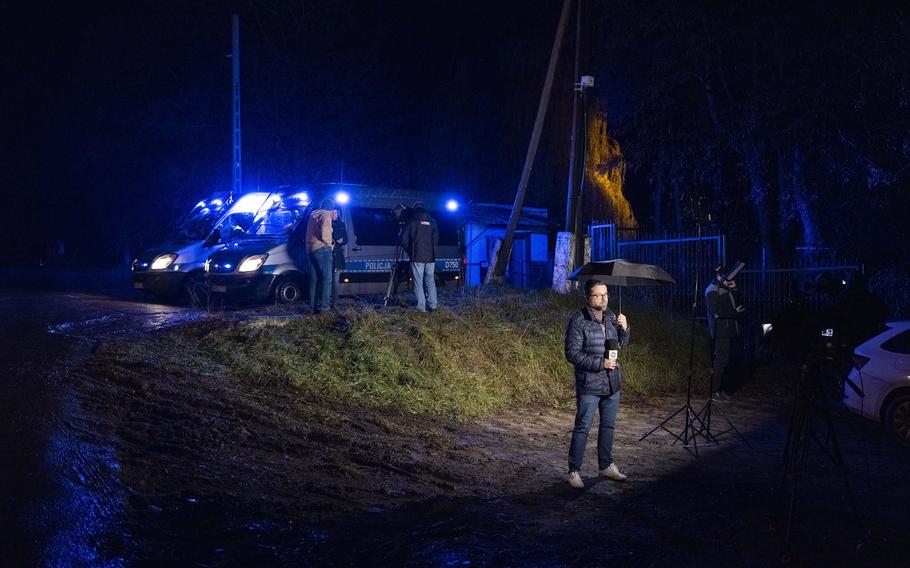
(594, 336)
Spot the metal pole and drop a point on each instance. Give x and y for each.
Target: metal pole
(236, 188)
(580, 246)
(570, 193)
(501, 259)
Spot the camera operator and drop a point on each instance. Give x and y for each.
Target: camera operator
(723, 327)
(339, 263)
(420, 238)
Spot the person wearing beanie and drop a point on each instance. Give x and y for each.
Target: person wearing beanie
(319, 245)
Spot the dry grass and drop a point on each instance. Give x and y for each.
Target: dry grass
(487, 350)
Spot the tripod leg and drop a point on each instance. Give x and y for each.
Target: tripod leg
(732, 427)
(392, 289)
(662, 424)
(797, 460)
(838, 459)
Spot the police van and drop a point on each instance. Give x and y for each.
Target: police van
(174, 269)
(273, 265)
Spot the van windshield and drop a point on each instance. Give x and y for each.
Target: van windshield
(376, 227)
(198, 224)
(235, 225)
(275, 222)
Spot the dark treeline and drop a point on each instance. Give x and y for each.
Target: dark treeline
(787, 123)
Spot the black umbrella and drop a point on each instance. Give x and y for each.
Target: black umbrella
(621, 272)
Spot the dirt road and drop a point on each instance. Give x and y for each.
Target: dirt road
(187, 469)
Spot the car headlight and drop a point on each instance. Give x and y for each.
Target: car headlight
(252, 263)
(162, 261)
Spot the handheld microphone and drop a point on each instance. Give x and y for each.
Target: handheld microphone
(612, 349)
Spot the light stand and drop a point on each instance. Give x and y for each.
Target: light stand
(694, 424)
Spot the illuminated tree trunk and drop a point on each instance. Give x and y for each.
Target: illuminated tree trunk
(605, 173)
(801, 198)
(659, 189)
(676, 186)
(758, 194)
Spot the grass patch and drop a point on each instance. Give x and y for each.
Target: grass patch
(490, 349)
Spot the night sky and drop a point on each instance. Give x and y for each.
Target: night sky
(775, 119)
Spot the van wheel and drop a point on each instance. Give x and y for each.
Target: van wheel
(288, 292)
(196, 291)
(897, 418)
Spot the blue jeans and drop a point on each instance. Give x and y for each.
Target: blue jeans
(587, 405)
(321, 279)
(423, 278)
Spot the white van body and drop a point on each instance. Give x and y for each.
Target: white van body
(370, 252)
(175, 267)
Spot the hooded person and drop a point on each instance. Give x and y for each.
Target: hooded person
(723, 314)
(319, 245)
(420, 239)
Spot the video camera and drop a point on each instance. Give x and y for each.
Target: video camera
(818, 337)
(401, 214)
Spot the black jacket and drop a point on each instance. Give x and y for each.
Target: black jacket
(420, 237)
(339, 231)
(586, 347)
(723, 319)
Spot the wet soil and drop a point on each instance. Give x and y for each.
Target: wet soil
(199, 470)
(221, 474)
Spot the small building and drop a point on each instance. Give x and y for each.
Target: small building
(530, 265)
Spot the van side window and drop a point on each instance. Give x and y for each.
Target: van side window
(374, 226)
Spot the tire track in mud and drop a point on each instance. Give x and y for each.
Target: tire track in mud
(62, 502)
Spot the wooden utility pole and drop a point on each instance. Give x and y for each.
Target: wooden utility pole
(501, 259)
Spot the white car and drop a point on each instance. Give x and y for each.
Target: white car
(881, 370)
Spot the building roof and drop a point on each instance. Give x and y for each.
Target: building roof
(532, 218)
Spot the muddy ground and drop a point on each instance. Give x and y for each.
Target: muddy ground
(217, 474)
(198, 470)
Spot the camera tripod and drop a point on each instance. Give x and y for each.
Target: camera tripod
(810, 399)
(391, 292)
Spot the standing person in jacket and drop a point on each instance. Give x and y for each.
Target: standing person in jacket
(319, 246)
(592, 334)
(723, 327)
(420, 238)
(340, 238)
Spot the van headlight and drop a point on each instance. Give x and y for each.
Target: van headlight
(252, 263)
(162, 261)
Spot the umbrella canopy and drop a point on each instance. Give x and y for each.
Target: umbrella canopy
(621, 273)
(624, 273)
